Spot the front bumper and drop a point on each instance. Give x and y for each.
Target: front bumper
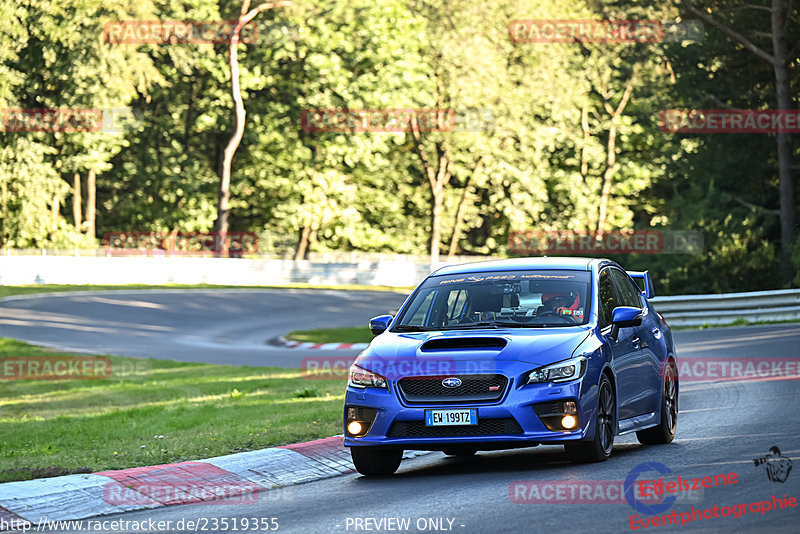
(516, 404)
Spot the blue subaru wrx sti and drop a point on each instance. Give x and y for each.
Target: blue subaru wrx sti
(514, 353)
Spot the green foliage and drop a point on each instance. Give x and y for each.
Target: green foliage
(54, 58)
(306, 393)
(538, 162)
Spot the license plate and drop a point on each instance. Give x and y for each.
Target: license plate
(451, 417)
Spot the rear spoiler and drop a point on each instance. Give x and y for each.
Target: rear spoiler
(643, 280)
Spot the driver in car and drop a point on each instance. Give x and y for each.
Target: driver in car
(561, 304)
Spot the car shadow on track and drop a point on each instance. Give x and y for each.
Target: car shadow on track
(541, 460)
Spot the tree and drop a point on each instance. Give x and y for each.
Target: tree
(779, 59)
(464, 60)
(52, 65)
(329, 190)
(245, 16)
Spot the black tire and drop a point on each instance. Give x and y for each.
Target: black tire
(665, 431)
(599, 449)
(460, 451)
(376, 461)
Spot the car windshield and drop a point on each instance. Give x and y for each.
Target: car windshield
(515, 299)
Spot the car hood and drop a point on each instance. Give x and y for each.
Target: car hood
(451, 349)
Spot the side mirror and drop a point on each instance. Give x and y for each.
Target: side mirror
(624, 317)
(379, 324)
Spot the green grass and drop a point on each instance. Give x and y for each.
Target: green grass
(153, 412)
(350, 334)
(7, 291)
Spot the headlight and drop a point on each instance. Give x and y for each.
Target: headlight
(361, 378)
(559, 372)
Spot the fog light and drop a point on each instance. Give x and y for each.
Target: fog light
(354, 428)
(558, 416)
(568, 421)
(358, 420)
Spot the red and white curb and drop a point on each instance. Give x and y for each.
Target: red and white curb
(237, 479)
(320, 346)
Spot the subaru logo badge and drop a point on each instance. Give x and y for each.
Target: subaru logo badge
(451, 382)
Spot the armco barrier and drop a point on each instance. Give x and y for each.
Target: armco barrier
(695, 310)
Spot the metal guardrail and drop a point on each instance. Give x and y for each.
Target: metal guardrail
(697, 310)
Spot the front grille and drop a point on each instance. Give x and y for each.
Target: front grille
(473, 388)
(485, 427)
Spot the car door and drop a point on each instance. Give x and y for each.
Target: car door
(641, 339)
(625, 357)
(649, 335)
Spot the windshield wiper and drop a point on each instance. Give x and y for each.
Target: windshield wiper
(470, 326)
(486, 324)
(412, 328)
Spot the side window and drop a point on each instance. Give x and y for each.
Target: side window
(455, 304)
(607, 297)
(419, 315)
(628, 293)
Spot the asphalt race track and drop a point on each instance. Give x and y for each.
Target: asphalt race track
(723, 426)
(211, 326)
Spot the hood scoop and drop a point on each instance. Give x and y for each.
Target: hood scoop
(464, 343)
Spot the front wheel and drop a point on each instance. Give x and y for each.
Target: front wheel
(376, 461)
(599, 449)
(665, 431)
